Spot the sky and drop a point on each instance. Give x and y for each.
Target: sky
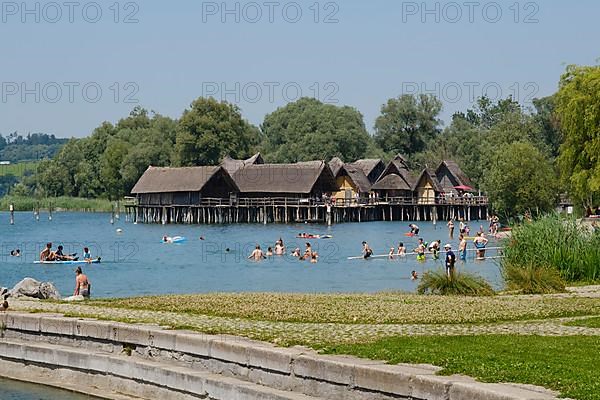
(67, 66)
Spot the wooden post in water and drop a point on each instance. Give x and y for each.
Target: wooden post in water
(50, 211)
(12, 214)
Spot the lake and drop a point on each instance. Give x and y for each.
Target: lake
(13, 390)
(135, 262)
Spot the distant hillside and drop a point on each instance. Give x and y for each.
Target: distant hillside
(34, 146)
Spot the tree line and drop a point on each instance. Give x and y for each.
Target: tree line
(521, 157)
(34, 146)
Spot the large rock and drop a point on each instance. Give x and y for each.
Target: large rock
(31, 288)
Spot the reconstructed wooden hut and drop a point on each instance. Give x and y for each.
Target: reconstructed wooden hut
(372, 168)
(302, 180)
(427, 188)
(183, 186)
(232, 165)
(352, 185)
(450, 176)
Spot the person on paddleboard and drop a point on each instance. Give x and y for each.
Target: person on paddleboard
(47, 254)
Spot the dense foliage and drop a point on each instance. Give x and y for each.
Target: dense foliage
(34, 146)
(310, 130)
(578, 110)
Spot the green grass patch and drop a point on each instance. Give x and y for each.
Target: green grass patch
(565, 364)
(19, 169)
(56, 204)
(586, 323)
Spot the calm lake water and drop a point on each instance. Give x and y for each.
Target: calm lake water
(135, 262)
(13, 390)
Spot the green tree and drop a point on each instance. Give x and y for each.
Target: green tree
(520, 178)
(408, 123)
(311, 130)
(210, 130)
(578, 111)
(546, 118)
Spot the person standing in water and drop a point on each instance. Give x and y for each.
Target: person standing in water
(401, 250)
(462, 248)
(480, 244)
(367, 251)
(450, 261)
(257, 254)
(420, 250)
(451, 228)
(82, 284)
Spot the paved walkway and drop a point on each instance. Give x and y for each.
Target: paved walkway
(292, 333)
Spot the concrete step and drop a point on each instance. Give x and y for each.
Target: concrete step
(63, 362)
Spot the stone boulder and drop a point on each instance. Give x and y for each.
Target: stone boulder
(30, 288)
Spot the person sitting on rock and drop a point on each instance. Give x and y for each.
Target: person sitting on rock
(4, 305)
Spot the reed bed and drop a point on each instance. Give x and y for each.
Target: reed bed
(565, 244)
(55, 203)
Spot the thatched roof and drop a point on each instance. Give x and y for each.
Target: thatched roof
(358, 177)
(298, 178)
(428, 174)
(336, 164)
(459, 175)
(392, 182)
(368, 165)
(173, 180)
(232, 165)
(398, 166)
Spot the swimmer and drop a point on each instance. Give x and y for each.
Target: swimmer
(391, 254)
(414, 276)
(414, 229)
(420, 250)
(401, 250)
(257, 254)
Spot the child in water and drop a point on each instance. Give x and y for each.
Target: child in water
(391, 255)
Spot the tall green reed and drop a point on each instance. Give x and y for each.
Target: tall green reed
(558, 242)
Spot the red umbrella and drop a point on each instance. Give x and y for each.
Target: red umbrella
(464, 188)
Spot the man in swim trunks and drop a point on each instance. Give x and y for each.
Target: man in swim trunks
(257, 254)
(47, 254)
(420, 250)
(414, 229)
(462, 248)
(60, 256)
(450, 260)
(367, 252)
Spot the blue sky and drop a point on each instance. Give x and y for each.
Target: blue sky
(55, 58)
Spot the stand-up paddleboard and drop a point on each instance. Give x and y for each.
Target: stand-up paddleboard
(79, 262)
(410, 234)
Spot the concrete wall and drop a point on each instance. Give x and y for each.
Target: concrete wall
(149, 362)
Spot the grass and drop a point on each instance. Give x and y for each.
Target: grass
(533, 279)
(56, 203)
(461, 284)
(557, 242)
(586, 323)
(535, 360)
(18, 169)
(382, 308)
